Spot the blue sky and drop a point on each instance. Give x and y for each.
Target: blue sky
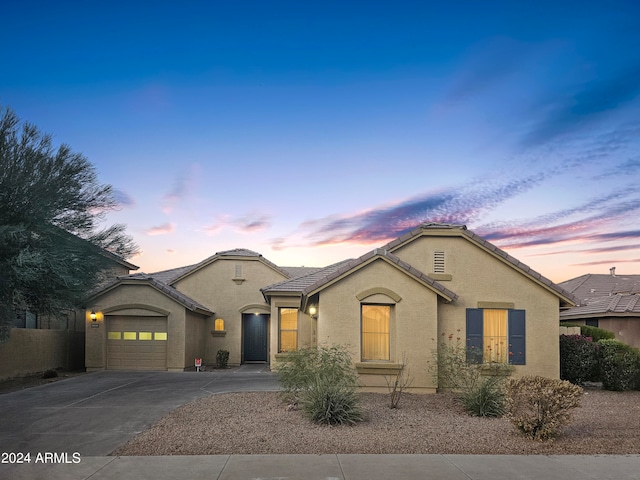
(312, 132)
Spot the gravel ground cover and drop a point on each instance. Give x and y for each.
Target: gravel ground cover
(260, 423)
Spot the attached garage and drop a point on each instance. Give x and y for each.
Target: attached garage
(136, 343)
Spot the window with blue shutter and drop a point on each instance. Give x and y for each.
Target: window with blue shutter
(477, 343)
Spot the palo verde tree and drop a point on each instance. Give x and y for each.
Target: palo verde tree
(52, 249)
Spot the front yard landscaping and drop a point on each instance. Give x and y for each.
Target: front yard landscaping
(260, 423)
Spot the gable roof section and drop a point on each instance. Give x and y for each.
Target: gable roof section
(447, 229)
(144, 279)
(296, 285)
(237, 253)
(347, 268)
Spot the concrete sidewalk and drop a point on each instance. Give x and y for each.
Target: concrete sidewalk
(335, 467)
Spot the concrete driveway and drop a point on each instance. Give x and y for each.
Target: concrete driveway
(95, 413)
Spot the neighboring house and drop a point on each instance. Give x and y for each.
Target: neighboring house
(41, 342)
(611, 302)
(397, 301)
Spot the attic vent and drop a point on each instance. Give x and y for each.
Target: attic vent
(438, 262)
(238, 270)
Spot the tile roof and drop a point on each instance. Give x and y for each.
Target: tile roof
(299, 283)
(462, 231)
(144, 278)
(592, 285)
(601, 294)
(236, 252)
(381, 253)
(313, 281)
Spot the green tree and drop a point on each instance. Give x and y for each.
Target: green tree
(52, 250)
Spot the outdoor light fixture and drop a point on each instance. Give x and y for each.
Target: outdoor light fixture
(313, 311)
(93, 316)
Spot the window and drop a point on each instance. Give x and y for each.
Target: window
(288, 334)
(144, 336)
(218, 325)
(160, 336)
(376, 322)
(130, 335)
(115, 336)
(496, 335)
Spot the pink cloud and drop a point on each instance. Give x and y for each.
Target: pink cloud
(164, 229)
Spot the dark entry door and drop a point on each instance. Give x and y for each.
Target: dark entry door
(255, 329)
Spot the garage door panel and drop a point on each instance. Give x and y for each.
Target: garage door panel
(136, 343)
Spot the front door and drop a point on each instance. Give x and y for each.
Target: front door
(255, 330)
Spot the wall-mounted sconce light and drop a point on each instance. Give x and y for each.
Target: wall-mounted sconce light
(313, 311)
(93, 316)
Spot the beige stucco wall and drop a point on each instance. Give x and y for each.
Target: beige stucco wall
(135, 300)
(194, 337)
(477, 276)
(29, 351)
(216, 287)
(626, 329)
(413, 323)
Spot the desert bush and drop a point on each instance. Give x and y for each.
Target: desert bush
(479, 386)
(50, 373)
(222, 358)
(578, 359)
(329, 403)
(324, 382)
(540, 407)
(619, 365)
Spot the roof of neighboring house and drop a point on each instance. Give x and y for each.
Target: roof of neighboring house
(593, 285)
(617, 304)
(604, 295)
(462, 231)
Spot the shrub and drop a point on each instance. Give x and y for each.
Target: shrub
(486, 398)
(596, 333)
(619, 365)
(328, 403)
(324, 382)
(539, 407)
(479, 386)
(578, 359)
(50, 373)
(222, 358)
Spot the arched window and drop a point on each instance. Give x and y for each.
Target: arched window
(219, 325)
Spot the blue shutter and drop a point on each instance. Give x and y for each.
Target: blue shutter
(475, 335)
(517, 342)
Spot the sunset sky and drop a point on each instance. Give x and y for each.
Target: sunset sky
(312, 132)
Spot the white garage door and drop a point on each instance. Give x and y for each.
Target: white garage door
(136, 343)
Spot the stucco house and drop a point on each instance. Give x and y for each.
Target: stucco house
(393, 302)
(609, 301)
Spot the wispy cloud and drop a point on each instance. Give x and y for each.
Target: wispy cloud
(249, 223)
(164, 229)
(607, 262)
(123, 199)
(183, 184)
(464, 204)
(573, 109)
